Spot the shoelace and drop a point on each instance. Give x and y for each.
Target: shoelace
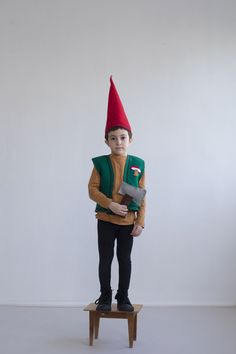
(98, 300)
(103, 298)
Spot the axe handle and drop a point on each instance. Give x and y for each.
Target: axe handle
(126, 200)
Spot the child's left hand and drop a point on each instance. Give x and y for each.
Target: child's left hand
(137, 230)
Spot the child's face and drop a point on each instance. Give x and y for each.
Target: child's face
(118, 141)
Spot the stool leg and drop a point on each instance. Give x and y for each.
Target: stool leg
(131, 330)
(135, 327)
(91, 327)
(96, 324)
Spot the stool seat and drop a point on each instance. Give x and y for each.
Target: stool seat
(94, 320)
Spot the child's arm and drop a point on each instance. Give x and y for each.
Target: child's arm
(139, 222)
(97, 196)
(94, 192)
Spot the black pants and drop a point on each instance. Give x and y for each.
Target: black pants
(107, 234)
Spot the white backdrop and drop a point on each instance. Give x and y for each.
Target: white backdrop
(174, 65)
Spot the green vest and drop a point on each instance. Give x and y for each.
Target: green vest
(104, 167)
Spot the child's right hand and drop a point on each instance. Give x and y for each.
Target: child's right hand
(118, 209)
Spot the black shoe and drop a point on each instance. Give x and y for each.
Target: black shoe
(104, 301)
(123, 303)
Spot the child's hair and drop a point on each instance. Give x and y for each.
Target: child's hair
(115, 128)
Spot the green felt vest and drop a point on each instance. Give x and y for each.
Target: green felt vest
(104, 167)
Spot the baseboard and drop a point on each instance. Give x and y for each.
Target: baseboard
(83, 304)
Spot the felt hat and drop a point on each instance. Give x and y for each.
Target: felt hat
(116, 115)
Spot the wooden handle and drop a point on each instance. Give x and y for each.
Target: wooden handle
(126, 200)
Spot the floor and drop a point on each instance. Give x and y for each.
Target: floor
(164, 330)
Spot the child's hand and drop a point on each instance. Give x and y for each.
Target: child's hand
(137, 230)
(118, 209)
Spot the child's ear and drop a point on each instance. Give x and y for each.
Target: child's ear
(130, 140)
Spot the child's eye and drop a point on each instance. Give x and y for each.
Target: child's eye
(123, 138)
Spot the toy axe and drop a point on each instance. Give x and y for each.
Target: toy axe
(131, 194)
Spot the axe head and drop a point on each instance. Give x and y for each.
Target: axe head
(135, 194)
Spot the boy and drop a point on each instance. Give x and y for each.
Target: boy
(116, 221)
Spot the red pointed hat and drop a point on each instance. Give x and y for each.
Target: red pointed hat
(116, 115)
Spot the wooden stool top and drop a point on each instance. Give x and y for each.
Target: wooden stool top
(92, 307)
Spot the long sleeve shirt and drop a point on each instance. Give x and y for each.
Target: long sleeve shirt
(118, 165)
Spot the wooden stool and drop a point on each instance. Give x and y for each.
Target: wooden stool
(94, 320)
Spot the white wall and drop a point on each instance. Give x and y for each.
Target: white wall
(174, 65)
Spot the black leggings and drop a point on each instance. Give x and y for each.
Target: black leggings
(107, 234)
